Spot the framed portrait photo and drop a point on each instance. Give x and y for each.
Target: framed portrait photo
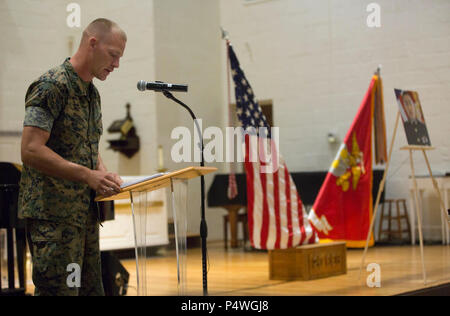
(413, 118)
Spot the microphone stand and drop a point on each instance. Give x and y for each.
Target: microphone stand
(203, 225)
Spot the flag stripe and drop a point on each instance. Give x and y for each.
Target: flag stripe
(301, 224)
(276, 192)
(288, 207)
(283, 209)
(257, 205)
(296, 233)
(250, 194)
(272, 234)
(265, 214)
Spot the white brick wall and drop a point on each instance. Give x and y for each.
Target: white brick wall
(188, 50)
(14, 48)
(136, 18)
(31, 43)
(35, 37)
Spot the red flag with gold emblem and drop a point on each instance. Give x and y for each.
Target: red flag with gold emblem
(343, 208)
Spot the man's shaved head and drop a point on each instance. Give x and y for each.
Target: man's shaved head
(99, 28)
(102, 45)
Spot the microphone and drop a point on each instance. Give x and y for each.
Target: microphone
(160, 86)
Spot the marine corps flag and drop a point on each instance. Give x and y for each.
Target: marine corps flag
(343, 208)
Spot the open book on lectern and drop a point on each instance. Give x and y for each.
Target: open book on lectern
(142, 179)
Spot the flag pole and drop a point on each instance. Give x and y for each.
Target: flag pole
(380, 191)
(232, 191)
(382, 184)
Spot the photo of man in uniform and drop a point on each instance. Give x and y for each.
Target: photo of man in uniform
(413, 118)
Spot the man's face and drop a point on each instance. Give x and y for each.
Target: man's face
(106, 55)
(409, 105)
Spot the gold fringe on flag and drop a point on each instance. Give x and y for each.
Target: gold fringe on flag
(381, 155)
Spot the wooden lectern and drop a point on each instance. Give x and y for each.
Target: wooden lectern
(141, 200)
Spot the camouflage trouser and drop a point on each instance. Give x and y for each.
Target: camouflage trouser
(54, 247)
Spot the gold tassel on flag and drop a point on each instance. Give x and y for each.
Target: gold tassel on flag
(379, 121)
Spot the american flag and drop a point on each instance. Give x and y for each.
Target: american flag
(277, 218)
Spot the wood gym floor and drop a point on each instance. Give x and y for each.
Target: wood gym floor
(237, 272)
(246, 273)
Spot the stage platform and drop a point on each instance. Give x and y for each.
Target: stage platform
(236, 273)
(246, 273)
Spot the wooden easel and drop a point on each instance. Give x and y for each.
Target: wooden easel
(416, 199)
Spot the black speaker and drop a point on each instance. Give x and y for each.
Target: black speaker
(106, 211)
(115, 277)
(9, 196)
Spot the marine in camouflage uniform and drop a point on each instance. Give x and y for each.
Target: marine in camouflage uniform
(61, 214)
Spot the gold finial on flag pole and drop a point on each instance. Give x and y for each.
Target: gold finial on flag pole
(378, 71)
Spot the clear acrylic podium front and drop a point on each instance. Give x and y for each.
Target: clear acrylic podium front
(141, 202)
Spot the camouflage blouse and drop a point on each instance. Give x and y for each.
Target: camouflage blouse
(61, 103)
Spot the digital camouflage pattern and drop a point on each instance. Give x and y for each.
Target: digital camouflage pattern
(61, 215)
(61, 103)
(55, 246)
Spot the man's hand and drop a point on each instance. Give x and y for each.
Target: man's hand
(104, 183)
(36, 154)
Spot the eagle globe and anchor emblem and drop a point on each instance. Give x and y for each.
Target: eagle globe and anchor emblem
(348, 166)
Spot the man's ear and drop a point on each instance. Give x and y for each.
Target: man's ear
(93, 42)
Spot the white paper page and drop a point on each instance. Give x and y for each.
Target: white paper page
(142, 179)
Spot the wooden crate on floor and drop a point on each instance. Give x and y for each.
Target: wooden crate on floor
(309, 262)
